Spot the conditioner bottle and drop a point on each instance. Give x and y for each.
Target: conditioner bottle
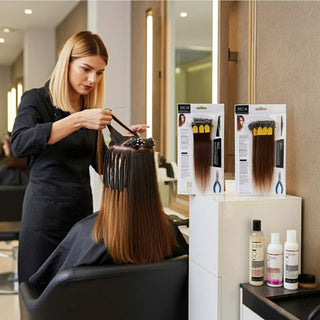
(291, 261)
(274, 261)
(256, 254)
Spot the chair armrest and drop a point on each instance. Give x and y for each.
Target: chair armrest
(28, 293)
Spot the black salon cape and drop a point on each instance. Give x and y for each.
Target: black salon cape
(59, 193)
(78, 249)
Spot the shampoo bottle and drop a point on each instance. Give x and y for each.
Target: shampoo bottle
(291, 261)
(256, 254)
(274, 261)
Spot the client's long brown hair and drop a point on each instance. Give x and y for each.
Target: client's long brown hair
(202, 151)
(131, 220)
(262, 154)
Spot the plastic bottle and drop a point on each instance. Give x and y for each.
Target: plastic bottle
(291, 261)
(275, 261)
(256, 254)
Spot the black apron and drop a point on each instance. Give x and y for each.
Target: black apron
(59, 193)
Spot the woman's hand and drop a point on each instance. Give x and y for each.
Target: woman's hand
(95, 118)
(139, 128)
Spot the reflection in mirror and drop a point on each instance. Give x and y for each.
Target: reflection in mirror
(192, 45)
(193, 52)
(193, 76)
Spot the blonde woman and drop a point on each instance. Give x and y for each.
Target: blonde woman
(58, 129)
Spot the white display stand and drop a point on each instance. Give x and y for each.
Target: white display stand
(218, 247)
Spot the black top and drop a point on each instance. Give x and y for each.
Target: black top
(65, 162)
(78, 249)
(59, 192)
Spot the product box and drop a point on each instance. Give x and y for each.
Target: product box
(200, 148)
(260, 149)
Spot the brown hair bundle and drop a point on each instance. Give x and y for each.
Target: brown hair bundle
(202, 146)
(131, 220)
(263, 152)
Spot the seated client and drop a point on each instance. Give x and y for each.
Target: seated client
(131, 226)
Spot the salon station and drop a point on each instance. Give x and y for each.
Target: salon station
(224, 97)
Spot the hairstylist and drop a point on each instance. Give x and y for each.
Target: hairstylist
(58, 129)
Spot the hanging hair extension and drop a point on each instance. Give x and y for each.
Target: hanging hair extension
(131, 220)
(202, 151)
(262, 154)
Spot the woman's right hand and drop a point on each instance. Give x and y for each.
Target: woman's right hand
(95, 118)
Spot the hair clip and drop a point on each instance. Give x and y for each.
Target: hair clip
(149, 143)
(262, 128)
(201, 125)
(135, 143)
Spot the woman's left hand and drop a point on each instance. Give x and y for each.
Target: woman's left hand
(139, 128)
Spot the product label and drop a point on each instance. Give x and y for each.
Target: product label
(274, 268)
(242, 109)
(291, 262)
(257, 263)
(184, 108)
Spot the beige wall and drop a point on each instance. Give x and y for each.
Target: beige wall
(74, 22)
(233, 74)
(288, 68)
(194, 82)
(9, 76)
(5, 80)
(17, 69)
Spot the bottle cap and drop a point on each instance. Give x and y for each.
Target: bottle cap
(275, 237)
(291, 236)
(256, 225)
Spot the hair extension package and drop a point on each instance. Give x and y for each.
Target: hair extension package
(260, 149)
(200, 148)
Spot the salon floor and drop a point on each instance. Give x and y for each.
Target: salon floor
(9, 304)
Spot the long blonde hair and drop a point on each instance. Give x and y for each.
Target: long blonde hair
(81, 44)
(131, 220)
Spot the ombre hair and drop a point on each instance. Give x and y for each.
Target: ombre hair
(202, 151)
(131, 221)
(81, 44)
(263, 153)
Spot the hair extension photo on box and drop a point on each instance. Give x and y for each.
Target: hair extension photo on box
(202, 146)
(263, 152)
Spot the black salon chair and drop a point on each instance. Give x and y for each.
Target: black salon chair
(156, 291)
(11, 199)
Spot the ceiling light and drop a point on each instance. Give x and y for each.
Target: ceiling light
(2, 40)
(27, 11)
(183, 14)
(6, 30)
